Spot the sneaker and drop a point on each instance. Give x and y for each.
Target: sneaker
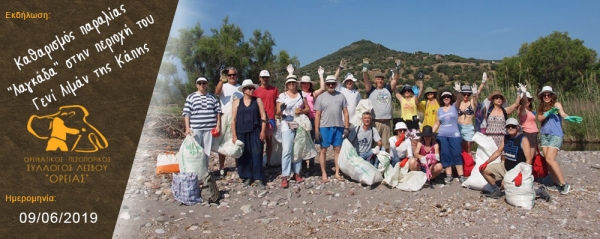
(284, 182)
(448, 179)
(554, 187)
(564, 189)
(496, 194)
(462, 179)
(543, 194)
(298, 178)
(246, 182)
(260, 185)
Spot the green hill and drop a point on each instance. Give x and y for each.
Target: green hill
(439, 69)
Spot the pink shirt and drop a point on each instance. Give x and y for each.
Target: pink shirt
(311, 104)
(527, 121)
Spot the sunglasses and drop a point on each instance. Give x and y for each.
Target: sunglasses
(446, 97)
(330, 84)
(232, 75)
(202, 83)
(496, 97)
(249, 88)
(547, 95)
(401, 130)
(511, 127)
(466, 94)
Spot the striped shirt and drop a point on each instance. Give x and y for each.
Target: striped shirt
(202, 110)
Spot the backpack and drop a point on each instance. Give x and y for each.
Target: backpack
(356, 134)
(210, 193)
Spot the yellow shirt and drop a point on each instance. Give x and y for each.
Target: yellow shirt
(409, 108)
(429, 112)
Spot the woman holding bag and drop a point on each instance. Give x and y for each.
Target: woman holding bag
(248, 124)
(289, 104)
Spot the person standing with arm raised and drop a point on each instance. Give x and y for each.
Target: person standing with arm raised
(381, 99)
(227, 90)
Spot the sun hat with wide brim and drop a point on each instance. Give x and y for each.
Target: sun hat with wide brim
(291, 78)
(546, 89)
(427, 132)
(306, 79)
(349, 77)
(466, 89)
(246, 83)
(400, 125)
(495, 93)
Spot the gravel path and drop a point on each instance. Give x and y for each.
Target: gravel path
(340, 208)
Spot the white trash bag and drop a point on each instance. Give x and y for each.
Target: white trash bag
(191, 157)
(404, 180)
(226, 133)
(524, 195)
(304, 122)
(364, 105)
(304, 146)
(232, 150)
(356, 167)
(278, 135)
(485, 148)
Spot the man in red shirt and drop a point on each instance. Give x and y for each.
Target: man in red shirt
(268, 94)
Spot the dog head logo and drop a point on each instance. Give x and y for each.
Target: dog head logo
(65, 129)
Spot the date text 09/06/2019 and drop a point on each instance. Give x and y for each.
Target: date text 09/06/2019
(58, 217)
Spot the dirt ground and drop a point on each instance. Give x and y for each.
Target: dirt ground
(346, 208)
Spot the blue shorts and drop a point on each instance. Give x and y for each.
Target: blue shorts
(467, 131)
(331, 136)
(547, 140)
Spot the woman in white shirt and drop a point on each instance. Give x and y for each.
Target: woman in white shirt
(401, 148)
(289, 104)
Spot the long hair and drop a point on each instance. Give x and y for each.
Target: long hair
(543, 107)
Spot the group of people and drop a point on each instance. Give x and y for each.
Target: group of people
(432, 144)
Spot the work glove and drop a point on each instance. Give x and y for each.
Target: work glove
(519, 92)
(474, 88)
(343, 63)
(290, 69)
(518, 180)
(375, 150)
(404, 161)
(551, 111)
(318, 136)
(523, 88)
(415, 90)
(457, 86)
(321, 71)
(224, 75)
(398, 64)
(392, 74)
(433, 156)
(484, 78)
(282, 107)
(574, 119)
(365, 65)
(482, 167)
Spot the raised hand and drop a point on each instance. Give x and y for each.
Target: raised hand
(457, 86)
(343, 63)
(392, 73)
(474, 89)
(365, 65)
(523, 88)
(484, 78)
(321, 71)
(290, 69)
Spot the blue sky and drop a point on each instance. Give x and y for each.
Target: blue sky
(479, 29)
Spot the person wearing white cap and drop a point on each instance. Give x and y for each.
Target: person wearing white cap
(381, 99)
(249, 124)
(330, 127)
(347, 88)
(290, 104)
(227, 90)
(550, 114)
(202, 113)
(401, 146)
(449, 137)
(268, 94)
(513, 149)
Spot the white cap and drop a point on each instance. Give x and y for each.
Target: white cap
(349, 77)
(264, 73)
(201, 79)
(512, 121)
(400, 125)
